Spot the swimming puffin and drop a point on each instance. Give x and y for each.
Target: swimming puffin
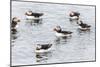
(33, 16)
(74, 16)
(61, 33)
(40, 48)
(83, 26)
(14, 24)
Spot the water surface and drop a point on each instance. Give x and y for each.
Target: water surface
(79, 47)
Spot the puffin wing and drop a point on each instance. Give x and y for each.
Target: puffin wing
(46, 46)
(66, 32)
(37, 14)
(85, 26)
(77, 13)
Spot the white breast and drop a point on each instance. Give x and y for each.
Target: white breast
(32, 18)
(83, 28)
(74, 18)
(17, 26)
(42, 50)
(62, 35)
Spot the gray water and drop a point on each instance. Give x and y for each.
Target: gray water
(79, 47)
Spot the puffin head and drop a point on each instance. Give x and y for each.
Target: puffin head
(38, 47)
(29, 13)
(15, 19)
(57, 28)
(71, 13)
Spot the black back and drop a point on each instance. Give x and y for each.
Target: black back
(46, 46)
(37, 14)
(13, 24)
(83, 25)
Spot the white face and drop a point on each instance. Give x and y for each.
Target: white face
(72, 13)
(16, 19)
(38, 46)
(29, 12)
(58, 28)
